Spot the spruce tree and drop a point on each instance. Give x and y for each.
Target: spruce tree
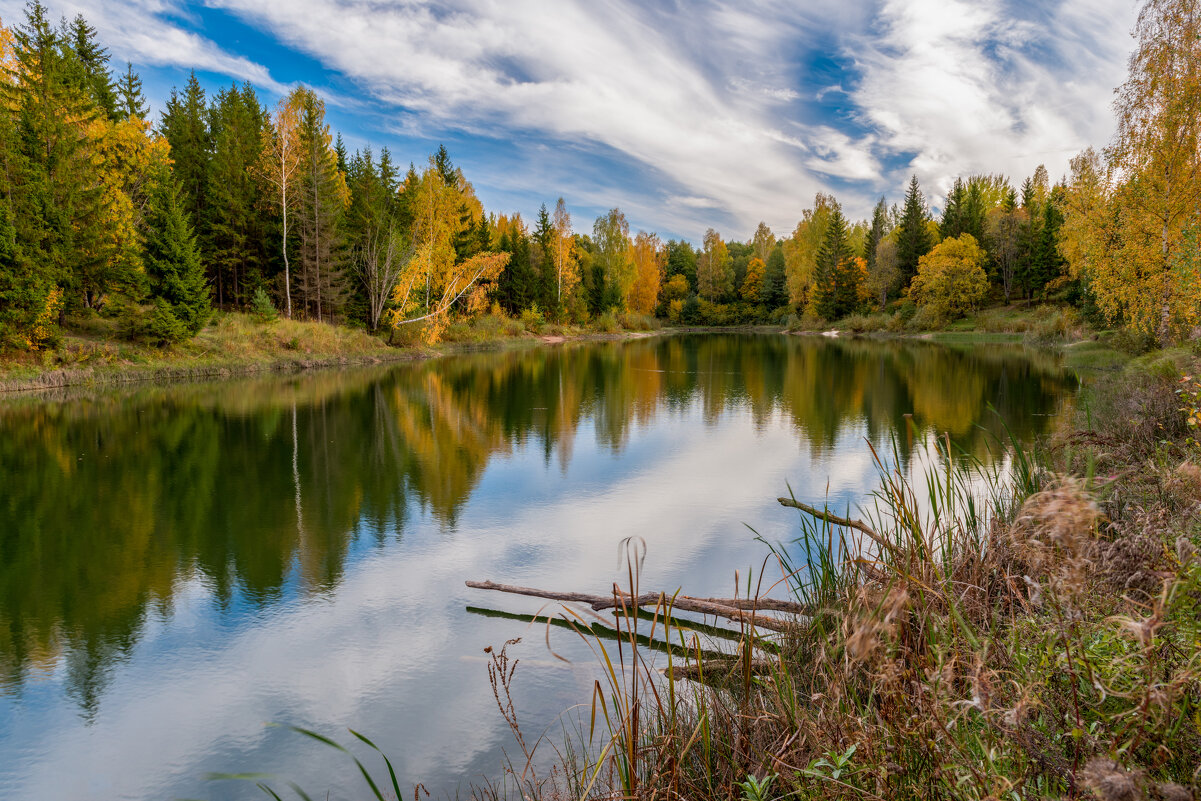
(185, 125)
(235, 226)
(131, 100)
(172, 258)
(913, 240)
(879, 230)
(323, 196)
(834, 252)
(54, 186)
(774, 293)
(92, 66)
(951, 224)
(543, 240)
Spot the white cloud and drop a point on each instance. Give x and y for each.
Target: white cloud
(958, 85)
(142, 32)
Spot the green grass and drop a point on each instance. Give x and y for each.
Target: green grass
(232, 343)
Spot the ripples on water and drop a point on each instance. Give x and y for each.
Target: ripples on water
(180, 564)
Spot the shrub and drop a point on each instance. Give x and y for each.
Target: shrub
(532, 319)
(608, 322)
(262, 307)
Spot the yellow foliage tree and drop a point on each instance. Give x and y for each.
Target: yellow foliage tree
(649, 261)
(453, 282)
(1129, 226)
(280, 169)
(950, 279)
(567, 271)
(129, 157)
(800, 249)
(752, 285)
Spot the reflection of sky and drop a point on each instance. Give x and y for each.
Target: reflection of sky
(391, 652)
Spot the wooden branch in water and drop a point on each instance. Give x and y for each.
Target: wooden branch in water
(618, 598)
(716, 670)
(825, 514)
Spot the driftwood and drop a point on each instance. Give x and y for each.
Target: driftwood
(718, 607)
(825, 514)
(721, 669)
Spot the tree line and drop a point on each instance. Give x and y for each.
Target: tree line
(230, 204)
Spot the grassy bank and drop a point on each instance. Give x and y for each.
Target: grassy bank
(90, 353)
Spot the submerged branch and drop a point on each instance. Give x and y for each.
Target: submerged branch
(718, 607)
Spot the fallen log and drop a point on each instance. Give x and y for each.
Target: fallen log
(714, 607)
(827, 515)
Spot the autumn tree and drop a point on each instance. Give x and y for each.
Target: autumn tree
(950, 279)
(762, 243)
(567, 275)
(752, 285)
(280, 169)
(648, 257)
(1128, 228)
(714, 271)
(613, 260)
(884, 277)
(800, 249)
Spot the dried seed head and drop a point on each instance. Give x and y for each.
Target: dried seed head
(1110, 781)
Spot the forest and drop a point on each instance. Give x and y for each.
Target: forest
(152, 222)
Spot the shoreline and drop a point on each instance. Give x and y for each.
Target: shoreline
(179, 370)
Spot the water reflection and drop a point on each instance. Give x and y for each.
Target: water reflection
(258, 494)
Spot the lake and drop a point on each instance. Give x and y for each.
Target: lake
(181, 564)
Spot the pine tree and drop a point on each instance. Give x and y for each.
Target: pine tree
(322, 203)
(235, 229)
(172, 258)
(913, 239)
(53, 184)
(543, 255)
(92, 61)
(834, 252)
(775, 288)
(185, 125)
(879, 230)
(131, 100)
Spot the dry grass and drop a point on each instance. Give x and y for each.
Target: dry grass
(1034, 634)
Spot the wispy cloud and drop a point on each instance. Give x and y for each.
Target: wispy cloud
(154, 33)
(979, 87)
(685, 115)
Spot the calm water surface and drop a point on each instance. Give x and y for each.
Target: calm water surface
(180, 565)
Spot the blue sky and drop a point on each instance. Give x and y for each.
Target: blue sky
(687, 115)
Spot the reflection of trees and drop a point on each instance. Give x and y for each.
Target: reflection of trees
(109, 502)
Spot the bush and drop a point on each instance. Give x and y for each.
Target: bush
(532, 319)
(865, 323)
(633, 321)
(608, 322)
